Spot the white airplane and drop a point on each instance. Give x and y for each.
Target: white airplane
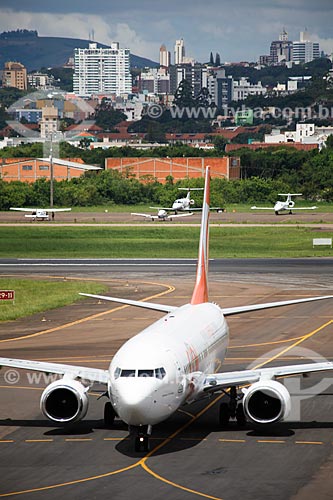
(40, 213)
(162, 215)
(171, 363)
(284, 206)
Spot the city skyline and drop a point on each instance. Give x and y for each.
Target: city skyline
(220, 26)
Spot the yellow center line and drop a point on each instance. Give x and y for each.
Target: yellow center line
(232, 440)
(7, 441)
(78, 439)
(309, 442)
(270, 441)
(38, 440)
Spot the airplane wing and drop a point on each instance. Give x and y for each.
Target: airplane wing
(218, 381)
(303, 208)
(92, 374)
(162, 208)
(137, 303)
(24, 209)
(268, 305)
(148, 216)
(44, 209)
(57, 209)
(262, 208)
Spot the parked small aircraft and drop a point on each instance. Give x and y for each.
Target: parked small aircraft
(40, 213)
(174, 361)
(284, 206)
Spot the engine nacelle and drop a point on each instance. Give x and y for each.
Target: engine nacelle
(192, 202)
(266, 402)
(291, 204)
(64, 401)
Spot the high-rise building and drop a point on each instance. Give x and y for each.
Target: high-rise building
(164, 57)
(195, 74)
(304, 50)
(179, 51)
(99, 71)
(281, 49)
(220, 88)
(14, 75)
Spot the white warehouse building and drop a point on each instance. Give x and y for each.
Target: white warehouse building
(102, 71)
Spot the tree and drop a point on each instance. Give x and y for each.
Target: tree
(211, 59)
(184, 95)
(217, 59)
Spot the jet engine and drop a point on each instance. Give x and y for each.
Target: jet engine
(291, 204)
(266, 402)
(192, 202)
(64, 401)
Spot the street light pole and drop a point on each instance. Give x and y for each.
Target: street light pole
(51, 175)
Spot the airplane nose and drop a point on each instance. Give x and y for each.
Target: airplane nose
(135, 398)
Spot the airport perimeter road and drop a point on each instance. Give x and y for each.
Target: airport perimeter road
(191, 456)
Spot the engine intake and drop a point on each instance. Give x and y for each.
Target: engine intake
(266, 402)
(64, 401)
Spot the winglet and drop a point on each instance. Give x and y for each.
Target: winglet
(200, 292)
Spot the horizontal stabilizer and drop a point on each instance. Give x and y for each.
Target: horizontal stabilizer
(137, 303)
(268, 305)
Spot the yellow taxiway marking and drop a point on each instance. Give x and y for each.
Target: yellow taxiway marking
(275, 441)
(232, 440)
(38, 440)
(309, 442)
(265, 343)
(7, 441)
(78, 439)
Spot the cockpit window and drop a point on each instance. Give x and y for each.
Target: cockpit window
(148, 372)
(160, 373)
(145, 373)
(127, 373)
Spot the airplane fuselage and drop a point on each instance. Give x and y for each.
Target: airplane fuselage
(164, 366)
(282, 206)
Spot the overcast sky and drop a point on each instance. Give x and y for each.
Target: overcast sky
(239, 30)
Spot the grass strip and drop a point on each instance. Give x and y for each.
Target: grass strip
(33, 296)
(158, 242)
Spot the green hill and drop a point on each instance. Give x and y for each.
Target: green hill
(36, 52)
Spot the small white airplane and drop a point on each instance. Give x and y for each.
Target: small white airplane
(162, 215)
(173, 362)
(284, 206)
(40, 213)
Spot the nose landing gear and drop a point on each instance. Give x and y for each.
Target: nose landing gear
(141, 436)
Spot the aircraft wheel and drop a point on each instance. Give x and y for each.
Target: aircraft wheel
(224, 415)
(109, 415)
(240, 415)
(141, 443)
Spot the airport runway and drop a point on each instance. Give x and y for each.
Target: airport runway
(191, 457)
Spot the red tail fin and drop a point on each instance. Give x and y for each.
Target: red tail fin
(200, 292)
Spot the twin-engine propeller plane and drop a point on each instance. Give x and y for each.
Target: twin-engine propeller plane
(284, 206)
(172, 363)
(40, 213)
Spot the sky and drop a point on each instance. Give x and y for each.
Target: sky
(239, 30)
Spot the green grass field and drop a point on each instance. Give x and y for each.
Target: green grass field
(157, 242)
(40, 295)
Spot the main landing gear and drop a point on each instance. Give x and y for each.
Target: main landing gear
(141, 436)
(232, 410)
(109, 415)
